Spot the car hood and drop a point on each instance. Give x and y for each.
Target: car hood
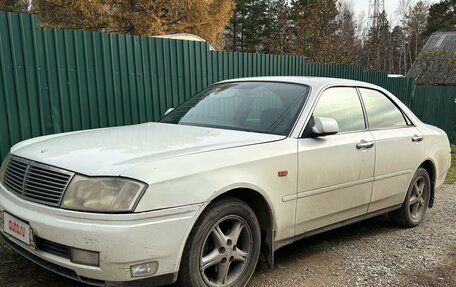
(112, 151)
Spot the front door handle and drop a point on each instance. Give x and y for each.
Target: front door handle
(417, 138)
(364, 144)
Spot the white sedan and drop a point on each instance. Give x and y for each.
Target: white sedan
(242, 168)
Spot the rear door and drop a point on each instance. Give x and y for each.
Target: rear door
(399, 149)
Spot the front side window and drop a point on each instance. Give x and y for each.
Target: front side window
(262, 107)
(382, 113)
(343, 105)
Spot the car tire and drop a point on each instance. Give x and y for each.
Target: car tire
(416, 201)
(223, 247)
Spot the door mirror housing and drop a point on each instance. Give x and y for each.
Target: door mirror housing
(168, 111)
(325, 126)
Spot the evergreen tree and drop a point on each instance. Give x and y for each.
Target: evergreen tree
(346, 41)
(278, 37)
(442, 17)
(248, 26)
(377, 46)
(314, 27)
(397, 52)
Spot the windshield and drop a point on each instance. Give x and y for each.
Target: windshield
(263, 107)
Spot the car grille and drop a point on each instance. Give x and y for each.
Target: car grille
(36, 182)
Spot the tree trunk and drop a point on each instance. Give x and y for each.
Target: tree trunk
(234, 43)
(410, 57)
(405, 57)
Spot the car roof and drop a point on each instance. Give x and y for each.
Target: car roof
(314, 82)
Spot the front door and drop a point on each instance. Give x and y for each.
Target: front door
(335, 172)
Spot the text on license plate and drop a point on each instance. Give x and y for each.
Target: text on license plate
(16, 228)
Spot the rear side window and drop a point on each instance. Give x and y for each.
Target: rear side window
(343, 105)
(382, 113)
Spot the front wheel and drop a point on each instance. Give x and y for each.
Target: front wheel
(223, 247)
(416, 201)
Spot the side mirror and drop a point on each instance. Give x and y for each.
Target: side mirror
(325, 126)
(168, 111)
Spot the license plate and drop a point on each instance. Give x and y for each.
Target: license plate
(16, 228)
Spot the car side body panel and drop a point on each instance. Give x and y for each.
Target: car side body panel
(214, 173)
(397, 158)
(437, 150)
(335, 179)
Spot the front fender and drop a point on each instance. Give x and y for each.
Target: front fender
(199, 178)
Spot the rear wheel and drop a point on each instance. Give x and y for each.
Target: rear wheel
(416, 201)
(223, 247)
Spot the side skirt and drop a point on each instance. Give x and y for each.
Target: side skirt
(282, 243)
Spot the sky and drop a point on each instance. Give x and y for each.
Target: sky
(362, 7)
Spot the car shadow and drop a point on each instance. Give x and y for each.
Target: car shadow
(12, 265)
(309, 246)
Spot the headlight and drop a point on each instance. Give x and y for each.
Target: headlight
(3, 168)
(102, 194)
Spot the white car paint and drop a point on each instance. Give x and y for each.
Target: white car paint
(187, 167)
(112, 151)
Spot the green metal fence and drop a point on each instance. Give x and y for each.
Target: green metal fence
(436, 105)
(54, 80)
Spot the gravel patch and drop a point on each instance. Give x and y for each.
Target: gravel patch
(374, 253)
(369, 253)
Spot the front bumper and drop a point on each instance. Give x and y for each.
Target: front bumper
(122, 240)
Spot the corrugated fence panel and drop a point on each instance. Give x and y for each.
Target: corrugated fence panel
(436, 105)
(54, 80)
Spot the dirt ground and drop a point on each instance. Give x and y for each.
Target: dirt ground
(374, 253)
(370, 253)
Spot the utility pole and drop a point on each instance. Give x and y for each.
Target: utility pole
(376, 7)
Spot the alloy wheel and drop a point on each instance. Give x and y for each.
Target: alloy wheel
(226, 251)
(418, 198)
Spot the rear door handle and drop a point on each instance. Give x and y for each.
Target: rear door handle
(364, 144)
(417, 138)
